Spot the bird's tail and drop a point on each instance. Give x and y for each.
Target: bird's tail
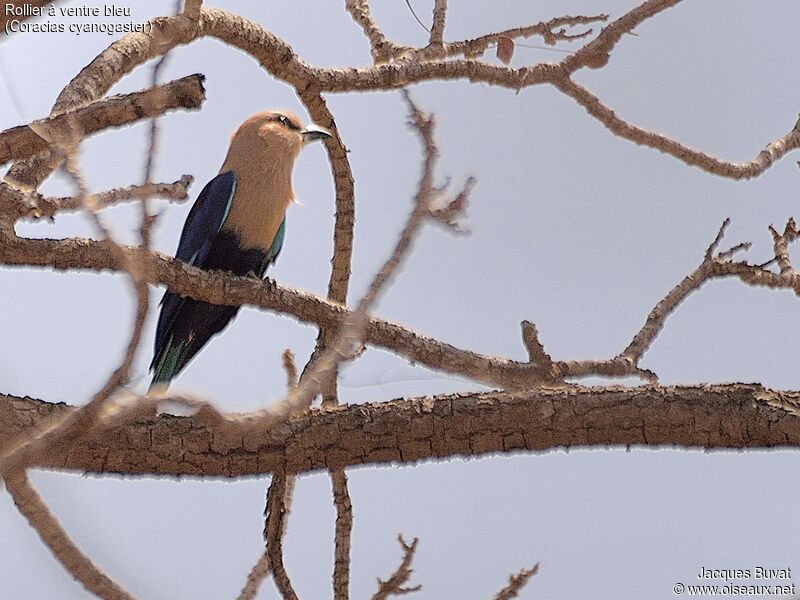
(167, 364)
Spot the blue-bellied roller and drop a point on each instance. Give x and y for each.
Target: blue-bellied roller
(237, 224)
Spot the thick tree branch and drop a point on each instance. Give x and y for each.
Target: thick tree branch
(27, 140)
(408, 431)
(225, 289)
(219, 288)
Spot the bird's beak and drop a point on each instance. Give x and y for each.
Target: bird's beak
(314, 132)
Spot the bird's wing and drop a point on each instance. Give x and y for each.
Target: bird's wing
(206, 218)
(199, 232)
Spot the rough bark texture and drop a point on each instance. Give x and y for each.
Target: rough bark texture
(414, 430)
(26, 140)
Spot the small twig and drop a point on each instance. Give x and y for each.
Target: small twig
(536, 351)
(595, 54)
(191, 9)
(381, 48)
(290, 368)
(348, 340)
(35, 206)
(665, 307)
(344, 530)
(515, 583)
(712, 247)
(452, 212)
(476, 47)
(279, 501)
(781, 243)
(256, 577)
(58, 542)
(439, 16)
(395, 585)
(621, 128)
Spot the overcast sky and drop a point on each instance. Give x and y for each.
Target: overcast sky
(571, 228)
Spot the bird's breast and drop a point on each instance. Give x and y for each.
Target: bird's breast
(257, 211)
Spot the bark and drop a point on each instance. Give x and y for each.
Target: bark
(413, 430)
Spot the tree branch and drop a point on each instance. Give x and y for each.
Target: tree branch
(279, 501)
(279, 59)
(745, 170)
(344, 530)
(35, 206)
(395, 585)
(515, 583)
(42, 521)
(413, 430)
(26, 140)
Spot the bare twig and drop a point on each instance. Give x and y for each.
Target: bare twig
(344, 530)
(191, 9)
(381, 48)
(225, 289)
(781, 243)
(256, 577)
(530, 337)
(339, 281)
(289, 366)
(515, 583)
(654, 324)
(348, 340)
(279, 500)
(547, 30)
(396, 584)
(745, 170)
(439, 17)
(35, 206)
(58, 542)
(595, 54)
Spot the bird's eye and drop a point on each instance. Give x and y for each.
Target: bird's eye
(283, 120)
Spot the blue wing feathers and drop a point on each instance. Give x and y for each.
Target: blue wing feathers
(206, 218)
(202, 225)
(185, 325)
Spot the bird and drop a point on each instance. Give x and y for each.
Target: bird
(237, 224)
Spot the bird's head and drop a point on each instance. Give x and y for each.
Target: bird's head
(276, 133)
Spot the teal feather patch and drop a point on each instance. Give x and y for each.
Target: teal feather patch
(277, 243)
(169, 362)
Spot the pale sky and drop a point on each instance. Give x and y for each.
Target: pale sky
(571, 228)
